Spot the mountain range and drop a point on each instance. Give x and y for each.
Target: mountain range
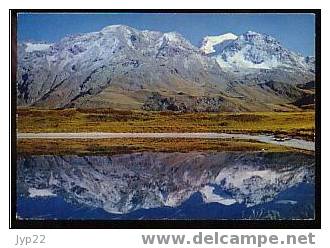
(124, 68)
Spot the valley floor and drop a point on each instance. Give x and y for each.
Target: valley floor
(77, 131)
(126, 145)
(293, 124)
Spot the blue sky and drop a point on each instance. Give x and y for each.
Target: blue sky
(294, 31)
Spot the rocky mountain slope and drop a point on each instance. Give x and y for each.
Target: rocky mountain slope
(121, 67)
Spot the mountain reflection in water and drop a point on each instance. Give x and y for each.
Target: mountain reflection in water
(155, 185)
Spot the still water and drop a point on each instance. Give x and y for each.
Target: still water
(155, 185)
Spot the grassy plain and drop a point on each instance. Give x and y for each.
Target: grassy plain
(123, 146)
(294, 124)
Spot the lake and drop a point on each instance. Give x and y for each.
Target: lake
(159, 185)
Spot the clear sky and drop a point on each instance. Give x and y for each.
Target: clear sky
(294, 31)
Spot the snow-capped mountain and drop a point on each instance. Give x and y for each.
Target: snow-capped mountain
(85, 64)
(253, 50)
(157, 71)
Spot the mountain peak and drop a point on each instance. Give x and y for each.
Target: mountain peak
(173, 36)
(113, 28)
(252, 50)
(250, 32)
(252, 36)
